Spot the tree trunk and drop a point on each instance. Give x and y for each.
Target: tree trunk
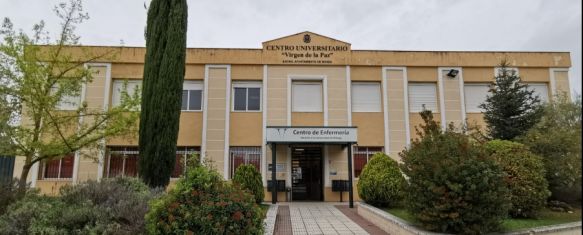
(22, 181)
(164, 68)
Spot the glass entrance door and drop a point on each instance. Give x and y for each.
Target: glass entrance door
(307, 177)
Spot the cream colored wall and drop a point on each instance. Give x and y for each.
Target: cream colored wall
(416, 120)
(307, 119)
(396, 112)
(368, 73)
(478, 74)
(190, 132)
(216, 108)
(452, 98)
(246, 129)
(370, 131)
(562, 82)
(277, 92)
(534, 74)
(247, 72)
(422, 74)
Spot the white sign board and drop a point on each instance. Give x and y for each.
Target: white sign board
(311, 134)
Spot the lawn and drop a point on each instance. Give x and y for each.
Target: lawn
(264, 209)
(547, 217)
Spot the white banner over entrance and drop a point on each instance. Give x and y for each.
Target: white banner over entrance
(282, 134)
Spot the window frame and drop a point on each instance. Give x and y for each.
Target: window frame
(247, 85)
(247, 150)
(184, 151)
(44, 165)
(368, 153)
(307, 82)
(193, 83)
(362, 110)
(436, 97)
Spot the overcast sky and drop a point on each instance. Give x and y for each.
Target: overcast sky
(485, 25)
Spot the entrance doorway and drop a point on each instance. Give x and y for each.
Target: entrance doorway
(307, 174)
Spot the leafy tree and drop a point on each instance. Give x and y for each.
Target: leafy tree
(248, 178)
(162, 89)
(557, 138)
(37, 75)
(454, 185)
(511, 108)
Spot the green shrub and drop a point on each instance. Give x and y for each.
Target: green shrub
(381, 182)
(525, 177)
(454, 185)
(203, 203)
(112, 206)
(249, 178)
(557, 139)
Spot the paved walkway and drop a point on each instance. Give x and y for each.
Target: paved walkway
(320, 218)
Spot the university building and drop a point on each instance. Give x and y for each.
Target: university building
(317, 107)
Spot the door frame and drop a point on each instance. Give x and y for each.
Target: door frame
(322, 183)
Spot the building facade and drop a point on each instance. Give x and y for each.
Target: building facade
(233, 98)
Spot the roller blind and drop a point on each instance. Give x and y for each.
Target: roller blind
(117, 89)
(366, 97)
(307, 97)
(474, 95)
(540, 89)
(422, 94)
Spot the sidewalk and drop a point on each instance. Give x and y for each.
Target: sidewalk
(321, 218)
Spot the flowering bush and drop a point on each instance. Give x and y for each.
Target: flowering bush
(203, 203)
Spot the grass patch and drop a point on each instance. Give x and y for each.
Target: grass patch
(547, 217)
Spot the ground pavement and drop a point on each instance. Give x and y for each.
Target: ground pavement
(320, 218)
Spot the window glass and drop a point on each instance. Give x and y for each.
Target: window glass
(246, 96)
(133, 86)
(366, 97)
(123, 161)
(254, 96)
(422, 95)
(240, 99)
(195, 100)
(184, 100)
(307, 97)
(67, 102)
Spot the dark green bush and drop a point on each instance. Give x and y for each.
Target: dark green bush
(249, 178)
(203, 203)
(381, 182)
(557, 139)
(112, 206)
(525, 177)
(454, 185)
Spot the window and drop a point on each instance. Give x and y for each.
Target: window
(182, 154)
(366, 97)
(307, 97)
(422, 95)
(474, 95)
(122, 161)
(67, 102)
(245, 155)
(361, 156)
(247, 96)
(132, 87)
(191, 96)
(61, 168)
(541, 90)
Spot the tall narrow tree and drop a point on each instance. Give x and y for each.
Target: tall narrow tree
(511, 108)
(162, 89)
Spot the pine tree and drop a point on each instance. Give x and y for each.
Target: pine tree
(511, 109)
(162, 89)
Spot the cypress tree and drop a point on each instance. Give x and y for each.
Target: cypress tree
(511, 109)
(162, 89)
